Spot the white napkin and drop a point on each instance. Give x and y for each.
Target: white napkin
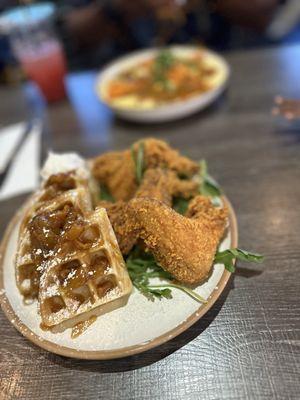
(9, 138)
(23, 175)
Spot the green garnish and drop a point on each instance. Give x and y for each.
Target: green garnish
(180, 205)
(138, 159)
(105, 194)
(142, 266)
(208, 186)
(184, 289)
(163, 61)
(141, 269)
(227, 257)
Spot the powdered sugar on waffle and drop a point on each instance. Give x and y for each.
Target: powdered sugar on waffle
(65, 162)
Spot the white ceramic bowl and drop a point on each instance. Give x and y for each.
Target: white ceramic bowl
(173, 110)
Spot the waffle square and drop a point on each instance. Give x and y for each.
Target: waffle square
(68, 256)
(86, 282)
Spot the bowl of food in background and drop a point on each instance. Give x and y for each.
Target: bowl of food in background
(159, 85)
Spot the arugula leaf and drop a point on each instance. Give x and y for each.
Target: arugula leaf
(138, 159)
(180, 205)
(105, 194)
(208, 186)
(151, 292)
(142, 267)
(227, 257)
(141, 270)
(184, 289)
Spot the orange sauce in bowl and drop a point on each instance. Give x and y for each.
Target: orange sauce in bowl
(162, 79)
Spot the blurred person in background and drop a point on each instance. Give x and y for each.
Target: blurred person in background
(95, 31)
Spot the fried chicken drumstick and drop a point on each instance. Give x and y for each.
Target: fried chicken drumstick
(185, 246)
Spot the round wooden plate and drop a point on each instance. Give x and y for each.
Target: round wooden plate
(178, 323)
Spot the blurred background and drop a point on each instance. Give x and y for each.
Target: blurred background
(79, 35)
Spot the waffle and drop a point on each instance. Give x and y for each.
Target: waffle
(68, 257)
(86, 282)
(39, 240)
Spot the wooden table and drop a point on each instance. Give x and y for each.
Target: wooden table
(247, 346)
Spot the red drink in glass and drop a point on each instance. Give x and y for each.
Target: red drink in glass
(36, 46)
(47, 68)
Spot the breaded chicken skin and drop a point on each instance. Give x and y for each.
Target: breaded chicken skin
(155, 185)
(185, 188)
(116, 170)
(158, 153)
(183, 246)
(119, 219)
(162, 184)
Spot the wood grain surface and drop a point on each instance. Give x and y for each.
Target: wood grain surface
(248, 345)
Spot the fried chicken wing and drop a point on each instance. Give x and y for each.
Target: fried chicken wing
(158, 153)
(162, 184)
(156, 184)
(185, 246)
(117, 172)
(185, 188)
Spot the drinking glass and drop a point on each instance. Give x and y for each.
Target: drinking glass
(36, 47)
